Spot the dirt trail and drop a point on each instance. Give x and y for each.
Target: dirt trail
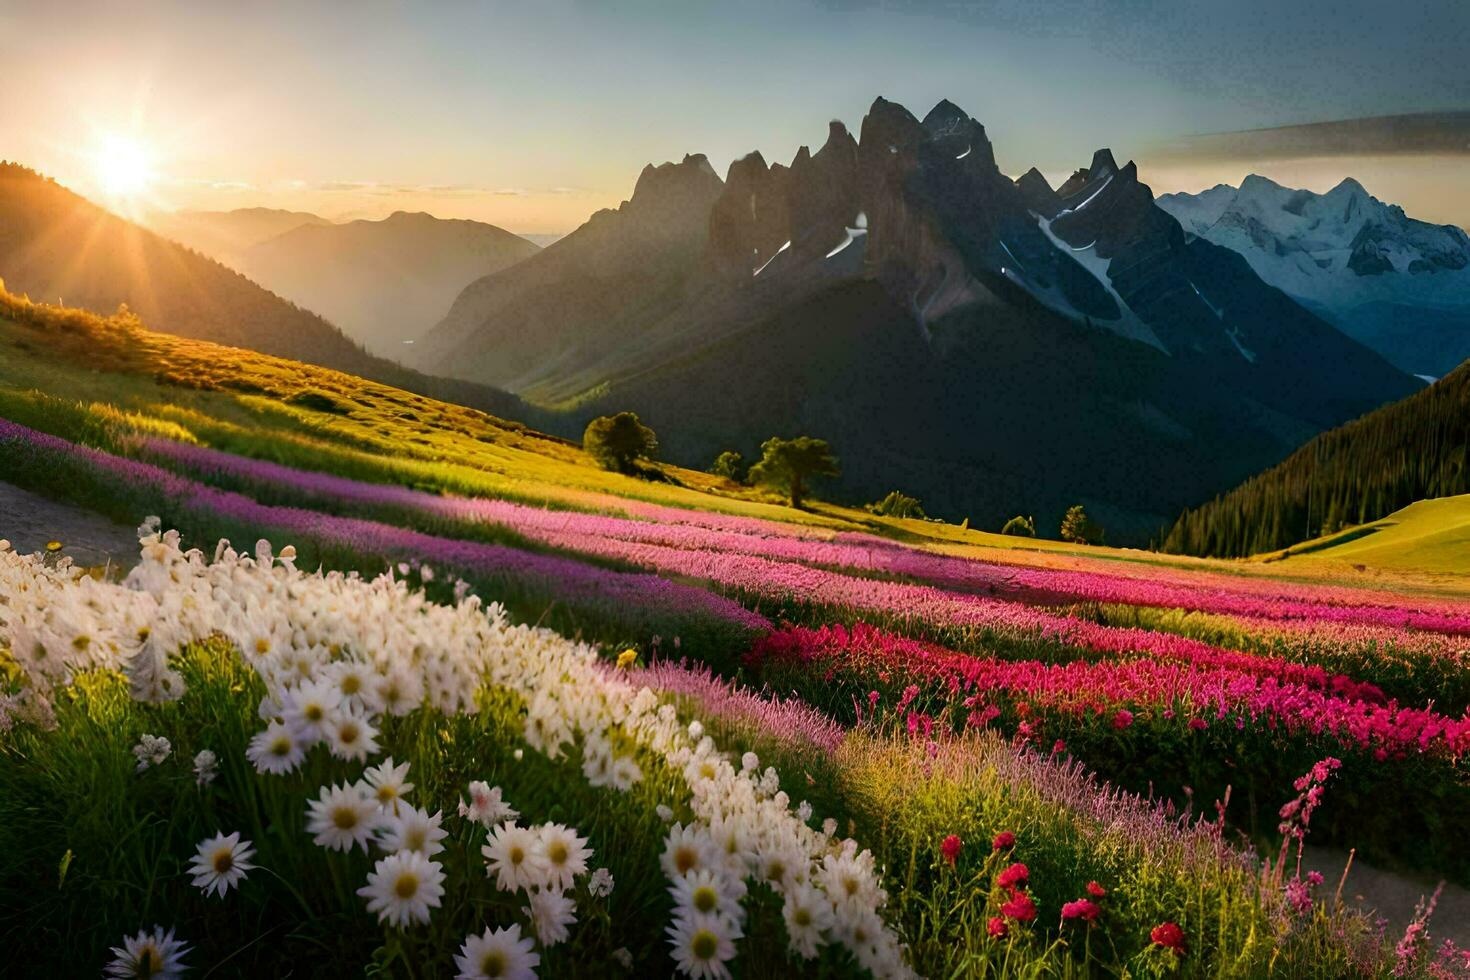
(1392, 895)
(28, 521)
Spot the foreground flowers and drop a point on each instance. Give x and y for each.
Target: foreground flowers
(221, 863)
(150, 954)
(322, 644)
(499, 954)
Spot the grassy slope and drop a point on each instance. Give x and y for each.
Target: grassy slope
(251, 403)
(1427, 536)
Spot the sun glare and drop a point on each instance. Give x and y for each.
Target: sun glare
(124, 167)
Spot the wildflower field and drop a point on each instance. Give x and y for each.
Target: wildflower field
(395, 698)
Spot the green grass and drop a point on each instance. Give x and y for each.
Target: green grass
(1427, 536)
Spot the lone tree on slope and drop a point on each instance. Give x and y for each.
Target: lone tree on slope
(790, 463)
(616, 441)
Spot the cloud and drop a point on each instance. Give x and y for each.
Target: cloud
(1417, 134)
(510, 192)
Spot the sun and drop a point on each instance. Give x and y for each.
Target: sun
(124, 167)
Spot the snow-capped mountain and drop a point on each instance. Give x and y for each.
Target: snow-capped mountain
(1001, 343)
(1399, 285)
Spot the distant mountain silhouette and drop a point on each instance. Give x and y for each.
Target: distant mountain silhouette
(383, 282)
(992, 346)
(225, 235)
(57, 247)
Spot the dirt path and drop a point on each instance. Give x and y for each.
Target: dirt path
(29, 521)
(1393, 895)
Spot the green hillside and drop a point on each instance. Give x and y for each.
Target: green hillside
(1357, 473)
(1430, 535)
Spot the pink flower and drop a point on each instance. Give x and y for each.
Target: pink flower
(998, 927)
(1016, 874)
(1020, 907)
(1096, 890)
(1168, 935)
(1198, 724)
(1081, 909)
(1003, 840)
(1122, 719)
(951, 848)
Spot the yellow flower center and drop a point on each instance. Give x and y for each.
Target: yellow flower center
(351, 684)
(685, 859)
(414, 839)
(493, 964)
(223, 861)
(387, 793)
(517, 855)
(406, 885)
(557, 852)
(704, 945)
(705, 899)
(262, 645)
(314, 712)
(802, 916)
(281, 746)
(345, 817)
(348, 733)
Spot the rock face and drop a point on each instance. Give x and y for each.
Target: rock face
(1398, 285)
(1033, 345)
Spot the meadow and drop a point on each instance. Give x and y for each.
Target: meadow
(447, 699)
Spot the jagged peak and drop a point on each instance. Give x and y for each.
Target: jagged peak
(944, 111)
(1348, 186)
(891, 125)
(1257, 183)
(694, 168)
(803, 156)
(1034, 178)
(1102, 164)
(752, 162)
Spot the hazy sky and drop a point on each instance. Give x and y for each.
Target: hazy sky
(532, 115)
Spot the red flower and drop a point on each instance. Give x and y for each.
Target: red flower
(1169, 936)
(951, 848)
(1096, 890)
(1123, 718)
(1003, 840)
(1081, 909)
(1020, 907)
(1016, 874)
(1059, 747)
(1198, 724)
(998, 927)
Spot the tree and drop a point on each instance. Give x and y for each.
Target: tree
(730, 465)
(789, 463)
(615, 441)
(1078, 528)
(1022, 527)
(897, 504)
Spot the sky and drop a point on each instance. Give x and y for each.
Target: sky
(533, 115)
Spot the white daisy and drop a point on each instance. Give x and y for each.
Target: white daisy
(485, 805)
(156, 955)
(221, 862)
(513, 856)
(686, 849)
(564, 855)
(703, 944)
(551, 913)
(341, 817)
(354, 682)
(707, 893)
(808, 915)
(625, 773)
(276, 750)
(309, 705)
(386, 784)
(403, 887)
(349, 734)
(503, 954)
(411, 829)
(398, 691)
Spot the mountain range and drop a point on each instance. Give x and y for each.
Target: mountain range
(57, 247)
(383, 282)
(1398, 285)
(992, 346)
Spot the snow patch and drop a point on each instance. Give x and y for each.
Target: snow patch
(965, 154)
(856, 230)
(1090, 198)
(771, 259)
(1427, 379)
(1129, 324)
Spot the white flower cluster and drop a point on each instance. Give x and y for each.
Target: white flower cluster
(337, 652)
